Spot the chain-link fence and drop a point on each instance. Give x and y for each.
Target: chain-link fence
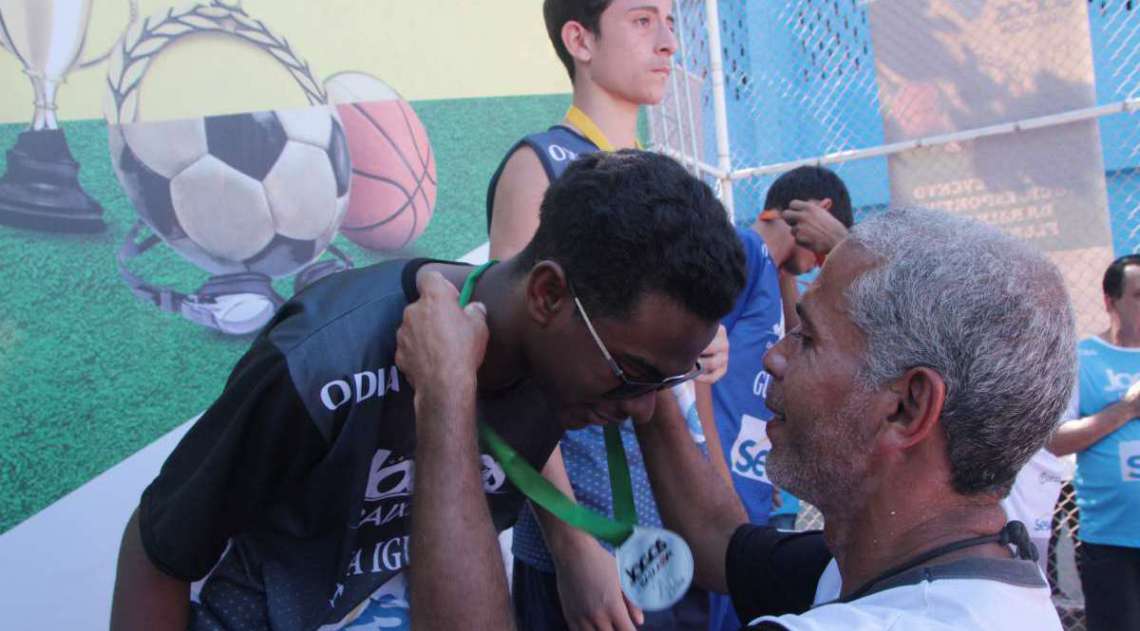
(1020, 114)
(1025, 115)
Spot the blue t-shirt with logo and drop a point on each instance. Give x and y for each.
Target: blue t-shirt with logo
(754, 325)
(1108, 472)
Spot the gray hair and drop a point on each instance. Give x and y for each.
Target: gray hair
(986, 312)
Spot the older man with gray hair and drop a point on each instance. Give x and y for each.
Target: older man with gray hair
(935, 355)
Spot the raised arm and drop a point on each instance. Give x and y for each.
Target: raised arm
(789, 295)
(692, 498)
(706, 413)
(457, 579)
(586, 573)
(813, 225)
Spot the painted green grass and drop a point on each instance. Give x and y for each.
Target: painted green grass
(89, 374)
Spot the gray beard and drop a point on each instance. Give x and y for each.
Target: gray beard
(824, 469)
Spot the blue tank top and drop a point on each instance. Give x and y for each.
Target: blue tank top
(556, 148)
(584, 450)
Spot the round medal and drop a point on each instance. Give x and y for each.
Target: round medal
(656, 568)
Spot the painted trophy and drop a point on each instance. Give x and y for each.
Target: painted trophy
(40, 190)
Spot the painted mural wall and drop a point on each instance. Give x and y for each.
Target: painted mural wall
(172, 172)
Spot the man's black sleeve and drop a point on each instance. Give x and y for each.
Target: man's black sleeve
(239, 457)
(772, 572)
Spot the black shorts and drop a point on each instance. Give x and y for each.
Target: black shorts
(1110, 579)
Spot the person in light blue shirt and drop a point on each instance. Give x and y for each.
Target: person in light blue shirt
(1106, 439)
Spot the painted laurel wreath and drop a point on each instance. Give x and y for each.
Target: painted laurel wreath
(145, 40)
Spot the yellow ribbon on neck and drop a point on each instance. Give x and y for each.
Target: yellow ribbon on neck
(583, 123)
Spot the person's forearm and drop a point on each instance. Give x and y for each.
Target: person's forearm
(789, 295)
(457, 579)
(145, 598)
(563, 540)
(588, 586)
(1080, 434)
(706, 413)
(691, 497)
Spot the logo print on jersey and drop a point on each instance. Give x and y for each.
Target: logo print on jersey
(389, 479)
(558, 153)
(760, 384)
(1119, 381)
(397, 478)
(362, 386)
(389, 555)
(750, 451)
(1130, 461)
(386, 609)
(493, 475)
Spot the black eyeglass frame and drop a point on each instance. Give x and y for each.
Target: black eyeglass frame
(629, 388)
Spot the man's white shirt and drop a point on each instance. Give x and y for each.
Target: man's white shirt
(967, 603)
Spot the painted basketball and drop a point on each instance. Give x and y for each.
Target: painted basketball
(393, 169)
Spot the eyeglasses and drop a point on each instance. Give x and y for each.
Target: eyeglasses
(630, 388)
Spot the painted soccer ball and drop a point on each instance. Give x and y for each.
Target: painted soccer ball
(262, 192)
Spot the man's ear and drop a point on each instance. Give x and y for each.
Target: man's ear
(825, 203)
(918, 399)
(547, 292)
(578, 40)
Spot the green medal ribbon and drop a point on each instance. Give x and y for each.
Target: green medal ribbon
(540, 491)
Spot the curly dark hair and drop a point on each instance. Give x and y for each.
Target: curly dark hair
(626, 223)
(811, 182)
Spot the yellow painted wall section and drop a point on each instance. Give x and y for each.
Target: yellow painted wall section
(425, 49)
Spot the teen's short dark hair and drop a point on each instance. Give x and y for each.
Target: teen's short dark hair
(1113, 283)
(811, 182)
(556, 13)
(627, 223)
